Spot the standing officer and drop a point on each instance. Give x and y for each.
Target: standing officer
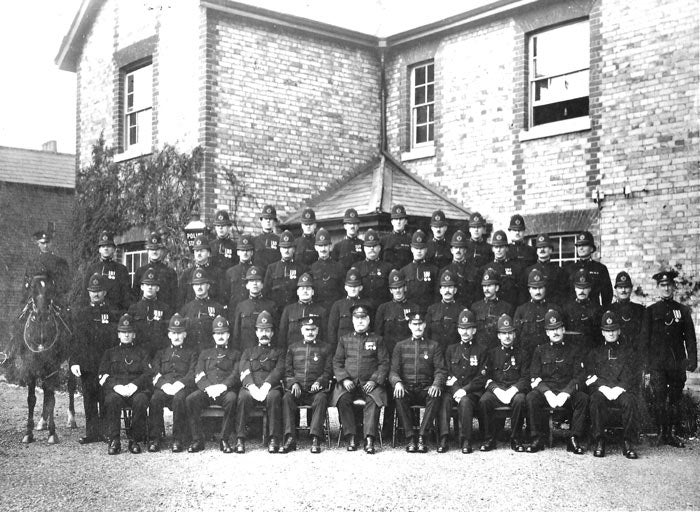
(200, 312)
(361, 367)
(557, 284)
(94, 331)
(304, 245)
(490, 309)
(246, 314)
(509, 271)
(631, 313)
(442, 317)
(150, 315)
(438, 246)
(611, 378)
(118, 283)
(421, 277)
(340, 320)
(418, 375)
(223, 247)
(281, 276)
(217, 379)
(202, 262)
(601, 292)
(396, 246)
(478, 251)
(235, 276)
(374, 273)
(671, 347)
(292, 316)
(308, 372)
(328, 274)
(55, 267)
(529, 318)
(166, 276)
(266, 244)
(507, 383)
(174, 369)
(465, 382)
(262, 368)
(125, 377)
(556, 378)
(519, 250)
(348, 251)
(464, 272)
(582, 316)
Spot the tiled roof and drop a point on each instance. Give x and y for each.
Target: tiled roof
(378, 186)
(37, 167)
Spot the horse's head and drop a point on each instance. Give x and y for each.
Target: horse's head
(42, 293)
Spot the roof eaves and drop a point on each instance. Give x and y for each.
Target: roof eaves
(71, 46)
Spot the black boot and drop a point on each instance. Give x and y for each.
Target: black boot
(412, 447)
(369, 445)
(628, 451)
(289, 445)
(599, 448)
(422, 446)
(443, 446)
(573, 446)
(315, 445)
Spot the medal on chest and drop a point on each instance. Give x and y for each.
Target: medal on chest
(426, 275)
(315, 356)
(425, 355)
(104, 318)
(472, 360)
(273, 244)
(228, 253)
(292, 274)
(370, 345)
(211, 311)
(157, 315)
(512, 360)
(358, 248)
(111, 274)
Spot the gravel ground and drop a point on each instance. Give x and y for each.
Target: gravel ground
(67, 475)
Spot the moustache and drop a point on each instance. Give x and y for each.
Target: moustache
(264, 338)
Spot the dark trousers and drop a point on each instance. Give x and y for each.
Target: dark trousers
(319, 406)
(198, 400)
(667, 391)
(538, 409)
(487, 406)
(417, 397)
(273, 405)
(599, 414)
(176, 403)
(139, 406)
(465, 412)
(93, 403)
(370, 413)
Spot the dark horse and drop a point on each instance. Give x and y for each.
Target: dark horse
(39, 345)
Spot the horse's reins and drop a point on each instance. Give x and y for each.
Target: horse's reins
(31, 318)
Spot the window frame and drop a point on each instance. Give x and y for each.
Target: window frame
(557, 239)
(131, 253)
(137, 109)
(414, 106)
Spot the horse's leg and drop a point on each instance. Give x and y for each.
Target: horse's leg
(49, 405)
(72, 384)
(31, 402)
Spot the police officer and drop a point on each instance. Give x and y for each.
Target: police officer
(200, 312)
(247, 312)
(601, 292)
(464, 272)
(361, 367)
(478, 251)
(556, 378)
(328, 275)
(507, 383)
(305, 250)
(438, 246)
(235, 276)
(611, 379)
(582, 315)
(374, 273)
(441, 317)
(529, 317)
(308, 372)
(281, 277)
(488, 310)
(94, 331)
(292, 316)
(509, 271)
(174, 369)
(223, 247)
(631, 313)
(348, 251)
(421, 277)
(125, 375)
(557, 284)
(418, 375)
(396, 246)
(217, 378)
(340, 317)
(519, 250)
(46, 262)
(118, 283)
(150, 315)
(262, 368)
(671, 348)
(202, 261)
(266, 244)
(166, 276)
(465, 382)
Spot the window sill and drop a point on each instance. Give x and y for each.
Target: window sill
(130, 154)
(417, 153)
(578, 124)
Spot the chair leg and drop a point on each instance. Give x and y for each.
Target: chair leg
(264, 426)
(327, 429)
(393, 430)
(551, 428)
(381, 427)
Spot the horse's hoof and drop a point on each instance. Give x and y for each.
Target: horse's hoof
(52, 439)
(41, 425)
(28, 438)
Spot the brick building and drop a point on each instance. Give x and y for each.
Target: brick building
(580, 114)
(36, 192)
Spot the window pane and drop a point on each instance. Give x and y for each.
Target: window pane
(568, 250)
(431, 110)
(431, 77)
(144, 128)
(554, 89)
(431, 89)
(421, 115)
(420, 76)
(561, 110)
(561, 50)
(419, 96)
(421, 134)
(431, 132)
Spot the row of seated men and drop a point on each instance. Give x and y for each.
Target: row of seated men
(466, 375)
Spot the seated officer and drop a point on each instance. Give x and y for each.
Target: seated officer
(556, 374)
(247, 311)
(612, 372)
(441, 319)
(124, 376)
(488, 310)
(262, 368)
(308, 371)
(361, 366)
(217, 380)
(507, 382)
(200, 312)
(418, 374)
(174, 369)
(150, 314)
(465, 382)
(290, 323)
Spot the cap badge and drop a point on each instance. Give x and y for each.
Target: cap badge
(609, 321)
(553, 320)
(126, 322)
(536, 278)
(506, 323)
(176, 322)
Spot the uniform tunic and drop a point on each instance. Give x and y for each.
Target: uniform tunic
(340, 320)
(267, 251)
(167, 283)
(217, 288)
(236, 284)
(329, 278)
(556, 282)
(396, 249)
(223, 253)
(290, 323)
(57, 271)
(348, 252)
(305, 251)
(201, 314)
(421, 283)
(529, 323)
(390, 322)
(601, 287)
(151, 323)
(582, 322)
(243, 320)
(441, 320)
(487, 313)
(281, 282)
(479, 252)
(375, 281)
(523, 253)
(467, 280)
(439, 253)
(511, 288)
(117, 281)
